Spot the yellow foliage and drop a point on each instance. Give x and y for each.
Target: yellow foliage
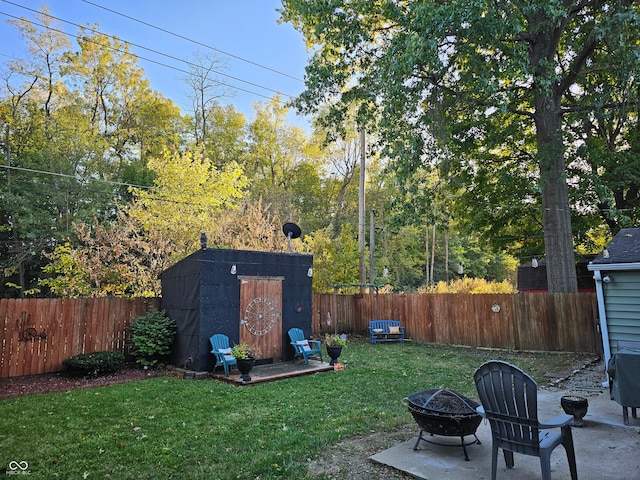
(189, 193)
(469, 285)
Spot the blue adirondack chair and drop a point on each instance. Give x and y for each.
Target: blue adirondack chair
(304, 348)
(221, 349)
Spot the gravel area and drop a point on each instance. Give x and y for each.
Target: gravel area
(586, 378)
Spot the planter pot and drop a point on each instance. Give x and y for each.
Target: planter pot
(245, 365)
(334, 353)
(576, 406)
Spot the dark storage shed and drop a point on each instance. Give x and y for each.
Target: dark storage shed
(255, 297)
(534, 279)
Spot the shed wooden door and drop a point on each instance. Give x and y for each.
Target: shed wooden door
(261, 314)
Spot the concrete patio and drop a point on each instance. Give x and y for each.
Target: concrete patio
(605, 448)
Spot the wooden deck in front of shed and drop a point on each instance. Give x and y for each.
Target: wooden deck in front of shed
(273, 371)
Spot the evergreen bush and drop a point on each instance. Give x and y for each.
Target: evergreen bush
(94, 364)
(150, 337)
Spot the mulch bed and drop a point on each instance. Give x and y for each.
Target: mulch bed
(59, 382)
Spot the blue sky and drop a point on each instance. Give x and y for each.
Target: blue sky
(243, 28)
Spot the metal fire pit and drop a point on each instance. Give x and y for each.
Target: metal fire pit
(439, 411)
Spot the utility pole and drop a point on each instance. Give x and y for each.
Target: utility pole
(7, 149)
(372, 247)
(361, 221)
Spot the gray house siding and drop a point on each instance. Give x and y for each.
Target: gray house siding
(622, 306)
(616, 271)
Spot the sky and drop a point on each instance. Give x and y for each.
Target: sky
(261, 57)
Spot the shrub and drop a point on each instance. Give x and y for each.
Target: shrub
(469, 285)
(334, 340)
(150, 337)
(94, 364)
(244, 351)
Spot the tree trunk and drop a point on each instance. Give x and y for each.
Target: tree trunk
(545, 33)
(558, 239)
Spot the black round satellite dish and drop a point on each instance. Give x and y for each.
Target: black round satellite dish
(291, 230)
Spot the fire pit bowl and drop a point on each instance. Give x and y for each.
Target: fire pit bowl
(439, 411)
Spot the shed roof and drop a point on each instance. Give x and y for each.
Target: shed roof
(623, 249)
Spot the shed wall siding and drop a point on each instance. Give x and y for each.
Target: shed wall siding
(622, 306)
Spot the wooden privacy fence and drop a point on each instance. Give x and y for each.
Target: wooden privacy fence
(531, 321)
(36, 335)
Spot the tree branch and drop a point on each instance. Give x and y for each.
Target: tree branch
(606, 106)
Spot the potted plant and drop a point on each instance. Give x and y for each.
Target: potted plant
(334, 344)
(245, 356)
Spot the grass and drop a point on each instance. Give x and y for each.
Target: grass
(169, 428)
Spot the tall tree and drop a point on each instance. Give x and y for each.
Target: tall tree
(45, 60)
(606, 145)
(207, 87)
(73, 123)
(226, 139)
(414, 68)
(188, 195)
(112, 95)
(343, 157)
(31, 92)
(282, 162)
(335, 259)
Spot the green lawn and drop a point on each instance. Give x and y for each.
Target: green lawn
(165, 427)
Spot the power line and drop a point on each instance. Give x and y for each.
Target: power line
(131, 43)
(195, 42)
(129, 53)
(174, 101)
(110, 182)
(74, 177)
(142, 47)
